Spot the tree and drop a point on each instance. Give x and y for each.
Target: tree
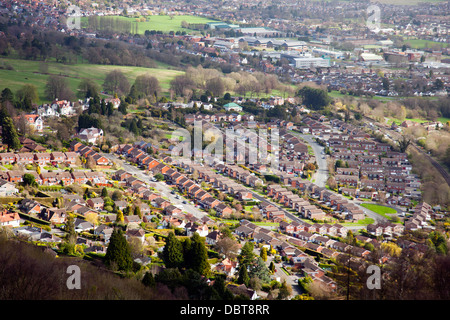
(118, 253)
(9, 134)
(181, 84)
(119, 217)
(263, 254)
(116, 82)
(137, 211)
(148, 280)
(147, 85)
(104, 192)
(27, 92)
(315, 99)
(28, 179)
(260, 270)
(403, 144)
(7, 95)
(285, 290)
(438, 242)
(385, 83)
(246, 256)
(215, 86)
(88, 88)
(173, 252)
(243, 275)
(57, 87)
(227, 246)
(199, 255)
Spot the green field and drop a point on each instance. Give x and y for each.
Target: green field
(27, 72)
(421, 44)
(382, 210)
(162, 23)
(405, 2)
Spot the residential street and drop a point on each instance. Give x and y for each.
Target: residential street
(161, 186)
(321, 176)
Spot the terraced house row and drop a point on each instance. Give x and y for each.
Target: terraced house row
(51, 178)
(39, 158)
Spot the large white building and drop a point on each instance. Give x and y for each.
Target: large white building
(305, 63)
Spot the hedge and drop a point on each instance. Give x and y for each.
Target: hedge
(33, 219)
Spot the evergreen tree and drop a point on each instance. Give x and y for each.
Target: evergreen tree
(199, 255)
(7, 95)
(260, 271)
(137, 211)
(110, 108)
(173, 252)
(118, 252)
(149, 280)
(243, 275)
(246, 256)
(272, 267)
(9, 134)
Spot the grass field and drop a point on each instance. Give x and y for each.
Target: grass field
(405, 2)
(381, 210)
(421, 44)
(27, 72)
(162, 23)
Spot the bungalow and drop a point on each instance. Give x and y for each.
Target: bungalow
(82, 225)
(212, 237)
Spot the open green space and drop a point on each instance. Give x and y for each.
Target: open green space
(27, 72)
(164, 23)
(405, 2)
(421, 44)
(381, 210)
